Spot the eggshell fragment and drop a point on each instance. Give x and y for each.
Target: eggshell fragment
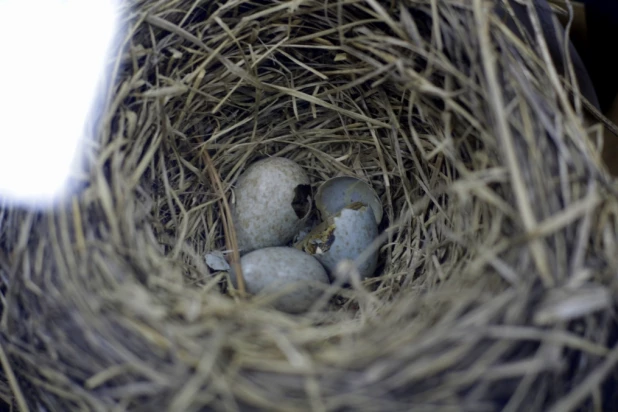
(338, 192)
(284, 270)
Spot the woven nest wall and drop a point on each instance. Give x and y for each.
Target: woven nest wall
(496, 285)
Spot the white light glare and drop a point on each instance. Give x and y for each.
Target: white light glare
(52, 57)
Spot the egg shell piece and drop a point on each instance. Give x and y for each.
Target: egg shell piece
(263, 211)
(338, 192)
(344, 237)
(277, 269)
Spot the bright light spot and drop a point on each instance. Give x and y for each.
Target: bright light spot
(52, 57)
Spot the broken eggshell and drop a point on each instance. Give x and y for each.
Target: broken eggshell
(275, 269)
(272, 202)
(344, 236)
(338, 192)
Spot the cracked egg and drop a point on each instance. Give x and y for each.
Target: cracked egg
(344, 236)
(272, 203)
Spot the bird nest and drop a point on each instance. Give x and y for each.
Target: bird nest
(496, 279)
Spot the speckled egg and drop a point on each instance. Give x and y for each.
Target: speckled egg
(272, 202)
(344, 236)
(283, 270)
(338, 192)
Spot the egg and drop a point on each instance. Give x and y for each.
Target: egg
(344, 236)
(284, 269)
(272, 202)
(336, 193)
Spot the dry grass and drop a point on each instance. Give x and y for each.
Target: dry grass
(498, 279)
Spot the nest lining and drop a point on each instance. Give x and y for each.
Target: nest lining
(495, 291)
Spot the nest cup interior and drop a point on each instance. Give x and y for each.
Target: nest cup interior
(496, 277)
(304, 100)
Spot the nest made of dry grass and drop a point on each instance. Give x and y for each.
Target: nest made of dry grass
(497, 284)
